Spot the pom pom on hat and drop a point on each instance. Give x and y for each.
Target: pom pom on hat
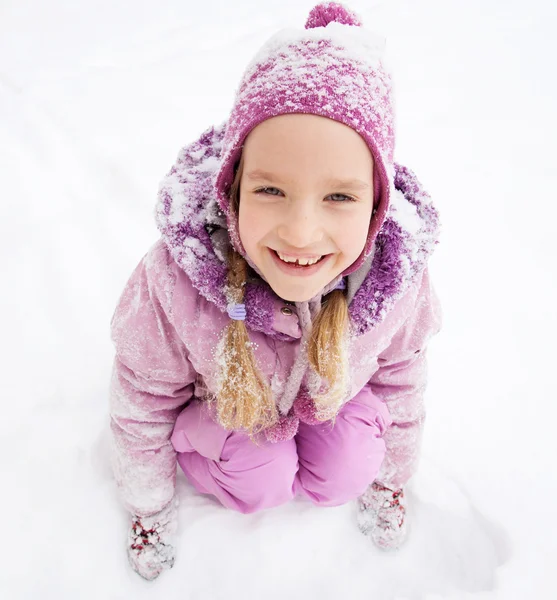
(328, 12)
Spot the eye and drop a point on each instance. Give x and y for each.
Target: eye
(341, 198)
(272, 191)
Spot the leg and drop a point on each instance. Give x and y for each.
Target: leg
(338, 463)
(228, 465)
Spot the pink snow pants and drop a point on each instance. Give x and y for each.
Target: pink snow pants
(329, 465)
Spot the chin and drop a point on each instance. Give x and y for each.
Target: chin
(294, 296)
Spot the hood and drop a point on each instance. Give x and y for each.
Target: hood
(333, 68)
(194, 229)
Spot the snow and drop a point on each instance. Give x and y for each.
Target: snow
(406, 214)
(96, 99)
(356, 44)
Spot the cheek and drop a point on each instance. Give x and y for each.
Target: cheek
(250, 225)
(352, 235)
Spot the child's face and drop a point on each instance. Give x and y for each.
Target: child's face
(314, 200)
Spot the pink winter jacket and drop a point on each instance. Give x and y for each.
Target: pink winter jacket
(172, 313)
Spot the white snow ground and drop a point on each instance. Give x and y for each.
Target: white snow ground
(96, 98)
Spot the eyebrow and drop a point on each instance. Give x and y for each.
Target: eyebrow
(354, 184)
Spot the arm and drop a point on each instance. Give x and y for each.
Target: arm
(152, 379)
(401, 381)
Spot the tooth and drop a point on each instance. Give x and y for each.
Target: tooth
(299, 261)
(285, 258)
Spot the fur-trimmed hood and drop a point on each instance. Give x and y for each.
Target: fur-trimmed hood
(194, 230)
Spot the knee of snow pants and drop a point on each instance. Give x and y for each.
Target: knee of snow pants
(228, 465)
(337, 463)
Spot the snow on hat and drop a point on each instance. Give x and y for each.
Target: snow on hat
(333, 68)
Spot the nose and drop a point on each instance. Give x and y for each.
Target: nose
(301, 225)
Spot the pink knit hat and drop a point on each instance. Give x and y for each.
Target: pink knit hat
(332, 68)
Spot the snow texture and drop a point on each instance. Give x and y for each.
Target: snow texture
(95, 99)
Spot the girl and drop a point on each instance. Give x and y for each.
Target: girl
(272, 342)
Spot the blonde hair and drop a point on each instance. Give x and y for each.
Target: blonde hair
(244, 399)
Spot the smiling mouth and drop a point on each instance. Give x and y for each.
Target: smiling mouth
(301, 263)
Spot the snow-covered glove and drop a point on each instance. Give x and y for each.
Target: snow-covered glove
(151, 541)
(382, 516)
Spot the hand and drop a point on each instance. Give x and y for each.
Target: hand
(382, 516)
(151, 541)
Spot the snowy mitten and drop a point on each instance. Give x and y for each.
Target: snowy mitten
(151, 541)
(382, 516)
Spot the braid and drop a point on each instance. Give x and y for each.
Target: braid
(327, 353)
(244, 399)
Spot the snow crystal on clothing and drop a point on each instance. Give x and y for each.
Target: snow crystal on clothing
(194, 244)
(405, 213)
(354, 43)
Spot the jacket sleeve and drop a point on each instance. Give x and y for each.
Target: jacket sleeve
(401, 381)
(152, 379)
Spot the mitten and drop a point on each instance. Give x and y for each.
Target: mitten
(151, 541)
(382, 516)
